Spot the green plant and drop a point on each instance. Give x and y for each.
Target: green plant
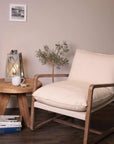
(54, 56)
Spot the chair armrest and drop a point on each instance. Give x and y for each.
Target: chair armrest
(50, 75)
(93, 86)
(90, 92)
(36, 77)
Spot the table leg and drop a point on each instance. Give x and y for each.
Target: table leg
(4, 98)
(23, 107)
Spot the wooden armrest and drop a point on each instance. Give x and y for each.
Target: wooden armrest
(90, 92)
(93, 86)
(36, 77)
(50, 75)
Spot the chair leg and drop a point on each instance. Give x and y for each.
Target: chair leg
(103, 136)
(88, 113)
(32, 115)
(86, 130)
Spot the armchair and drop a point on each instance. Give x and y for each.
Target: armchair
(88, 88)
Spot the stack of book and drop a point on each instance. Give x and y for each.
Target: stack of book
(10, 124)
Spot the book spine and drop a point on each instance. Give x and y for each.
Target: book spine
(10, 123)
(5, 126)
(9, 130)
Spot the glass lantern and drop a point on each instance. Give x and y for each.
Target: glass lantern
(14, 65)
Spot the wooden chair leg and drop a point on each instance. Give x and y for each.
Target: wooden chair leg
(86, 130)
(88, 113)
(32, 115)
(103, 136)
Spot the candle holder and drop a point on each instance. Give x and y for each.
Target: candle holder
(14, 65)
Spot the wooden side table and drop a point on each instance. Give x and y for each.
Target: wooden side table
(7, 89)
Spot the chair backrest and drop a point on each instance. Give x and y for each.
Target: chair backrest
(92, 67)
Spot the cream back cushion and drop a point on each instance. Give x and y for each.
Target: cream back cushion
(92, 67)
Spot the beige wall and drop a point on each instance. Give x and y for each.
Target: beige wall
(85, 24)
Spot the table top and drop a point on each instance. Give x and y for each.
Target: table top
(7, 87)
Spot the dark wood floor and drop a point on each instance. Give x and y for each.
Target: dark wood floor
(54, 133)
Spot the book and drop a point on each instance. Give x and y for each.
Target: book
(10, 124)
(9, 130)
(10, 120)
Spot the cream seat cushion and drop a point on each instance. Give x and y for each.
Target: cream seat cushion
(71, 95)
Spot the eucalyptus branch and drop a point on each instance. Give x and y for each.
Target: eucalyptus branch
(53, 56)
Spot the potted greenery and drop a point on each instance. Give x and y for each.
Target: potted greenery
(54, 56)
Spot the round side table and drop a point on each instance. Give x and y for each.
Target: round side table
(7, 89)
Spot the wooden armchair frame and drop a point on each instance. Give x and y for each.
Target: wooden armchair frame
(88, 112)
